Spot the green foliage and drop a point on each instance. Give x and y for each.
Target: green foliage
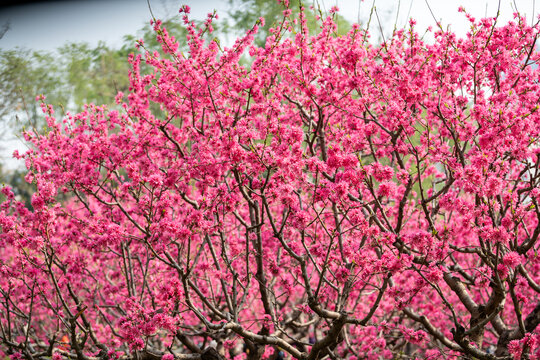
(93, 75)
(23, 75)
(78, 74)
(147, 34)
(245, 13)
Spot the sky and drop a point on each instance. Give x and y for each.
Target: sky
(47, 25)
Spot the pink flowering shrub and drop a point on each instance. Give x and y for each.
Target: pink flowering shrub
(333, 199)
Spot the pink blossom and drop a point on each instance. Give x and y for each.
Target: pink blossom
(435, 274)
(285, 187)
(512, 259)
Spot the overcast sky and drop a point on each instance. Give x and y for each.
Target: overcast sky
(46, 25)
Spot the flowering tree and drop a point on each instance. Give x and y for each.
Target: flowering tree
(333, 199)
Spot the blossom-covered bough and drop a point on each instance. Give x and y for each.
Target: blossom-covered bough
(332, 199)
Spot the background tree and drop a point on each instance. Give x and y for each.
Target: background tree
(245, 13)
(93, 75)
(23, 75)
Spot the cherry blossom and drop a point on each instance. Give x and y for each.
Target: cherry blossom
(316, 197)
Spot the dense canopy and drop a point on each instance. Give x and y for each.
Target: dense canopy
(325, 198)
